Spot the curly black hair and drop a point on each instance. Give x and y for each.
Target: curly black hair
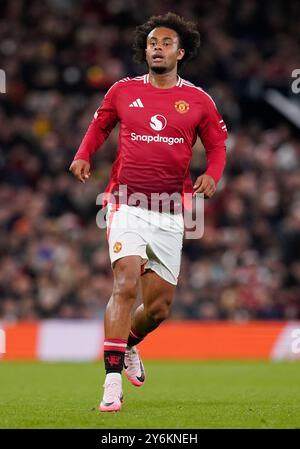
(189, 36)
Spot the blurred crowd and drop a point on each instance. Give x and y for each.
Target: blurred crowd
(59, 57)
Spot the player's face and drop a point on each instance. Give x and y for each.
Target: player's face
(163, 52)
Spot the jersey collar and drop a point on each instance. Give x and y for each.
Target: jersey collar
(178, 84)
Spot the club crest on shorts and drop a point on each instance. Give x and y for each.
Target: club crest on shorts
(117, 247)
(182, 106)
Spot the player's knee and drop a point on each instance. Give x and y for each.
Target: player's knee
(126, 279)
(126, 286)
(159, 311)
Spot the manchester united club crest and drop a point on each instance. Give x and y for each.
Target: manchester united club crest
(182, 106)
(117, 247)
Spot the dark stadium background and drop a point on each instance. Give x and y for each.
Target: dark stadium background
(60, 57)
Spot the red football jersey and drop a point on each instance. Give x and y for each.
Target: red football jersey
(158, 128)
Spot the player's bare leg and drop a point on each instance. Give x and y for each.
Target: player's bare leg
(157, 297)
(117, 319)
(117, 323)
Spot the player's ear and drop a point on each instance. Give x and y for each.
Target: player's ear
(180, 54)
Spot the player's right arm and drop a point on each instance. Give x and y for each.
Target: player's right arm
(105, 119)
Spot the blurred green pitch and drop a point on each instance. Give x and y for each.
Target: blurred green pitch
(176, 395)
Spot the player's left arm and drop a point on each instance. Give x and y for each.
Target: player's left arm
(213, 133)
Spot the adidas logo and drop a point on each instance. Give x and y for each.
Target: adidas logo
(136, 104)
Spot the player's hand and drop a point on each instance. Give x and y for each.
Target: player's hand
(205, 184)
(80, 169)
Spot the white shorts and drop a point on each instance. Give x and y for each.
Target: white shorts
(154, 236)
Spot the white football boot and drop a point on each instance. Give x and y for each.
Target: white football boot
(133, 366)
(113, 396)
